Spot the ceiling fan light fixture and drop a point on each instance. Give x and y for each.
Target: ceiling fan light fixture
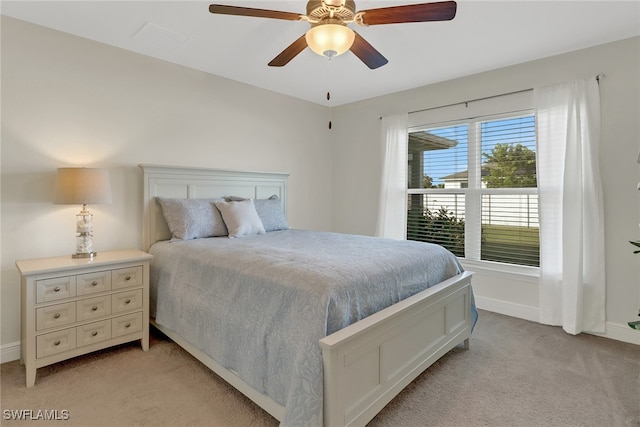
(330, 39)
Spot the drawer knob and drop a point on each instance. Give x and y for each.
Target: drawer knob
(94, 333)
(94, 308)
(56, 289)
(94, 283)
(127, 278)
(56, 342)
(56, 316)
(127, 325)
(127, 301)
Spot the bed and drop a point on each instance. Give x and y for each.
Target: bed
(288, 316)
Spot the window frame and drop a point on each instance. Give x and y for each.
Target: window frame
(473, 194)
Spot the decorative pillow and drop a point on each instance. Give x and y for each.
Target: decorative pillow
(192, 218)
(270, 212)
(240, 217)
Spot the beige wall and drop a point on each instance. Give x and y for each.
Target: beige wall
(357, 167)
(68, 101)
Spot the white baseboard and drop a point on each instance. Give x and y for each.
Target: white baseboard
(10, 352)
(614, 331)
(508, 308)
(619, 332)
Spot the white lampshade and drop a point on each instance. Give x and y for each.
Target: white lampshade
(330, 39)
(82, 186)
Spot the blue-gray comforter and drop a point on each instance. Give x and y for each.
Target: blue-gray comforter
(259, 304)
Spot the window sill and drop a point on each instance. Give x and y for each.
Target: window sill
(499, 269)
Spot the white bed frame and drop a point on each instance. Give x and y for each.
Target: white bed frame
(366, 364)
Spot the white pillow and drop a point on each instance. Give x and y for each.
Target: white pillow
(269, 210)
(240, 218)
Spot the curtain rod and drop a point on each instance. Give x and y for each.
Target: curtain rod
(598, 77)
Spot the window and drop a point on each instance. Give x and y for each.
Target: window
(472, 188)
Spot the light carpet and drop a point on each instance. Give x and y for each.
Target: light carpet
(516, 373)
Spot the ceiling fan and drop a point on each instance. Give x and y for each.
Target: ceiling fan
(329, 34)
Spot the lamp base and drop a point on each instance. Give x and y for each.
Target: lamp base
(84, 254)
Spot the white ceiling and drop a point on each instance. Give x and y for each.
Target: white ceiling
(484, 35)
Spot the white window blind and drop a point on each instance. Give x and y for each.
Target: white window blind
(510, 228)
(472, 187)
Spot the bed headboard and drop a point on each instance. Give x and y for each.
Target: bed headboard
(200, 183)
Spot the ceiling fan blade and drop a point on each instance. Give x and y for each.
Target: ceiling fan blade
(289, 53)
(247, 11)
(439, 11)
(367, 53)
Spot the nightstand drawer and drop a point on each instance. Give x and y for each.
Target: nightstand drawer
(55, 342)
(55, 315)
(126, 324)
(93, 282)
(126, 277)
(54, 289)
(94, 332)
(92, 308)
(125, 301)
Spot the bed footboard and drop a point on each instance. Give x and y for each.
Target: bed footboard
(370, 362)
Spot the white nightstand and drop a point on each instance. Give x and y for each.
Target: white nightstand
(74, 306)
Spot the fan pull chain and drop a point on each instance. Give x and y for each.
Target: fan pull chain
(329, 81)
(328, 99)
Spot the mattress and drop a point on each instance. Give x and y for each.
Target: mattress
(258, 305)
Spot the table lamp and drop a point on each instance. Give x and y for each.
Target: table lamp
(83, 186)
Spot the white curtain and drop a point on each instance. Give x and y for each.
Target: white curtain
(572, 268)
(392, 211)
